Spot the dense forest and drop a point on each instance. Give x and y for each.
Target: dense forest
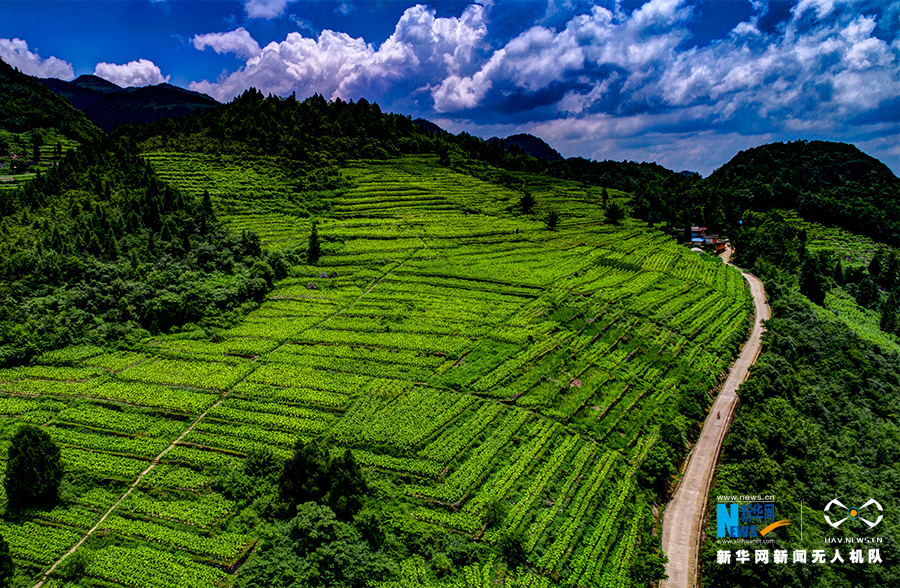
(98, 249)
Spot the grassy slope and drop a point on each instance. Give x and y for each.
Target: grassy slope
(465, 353)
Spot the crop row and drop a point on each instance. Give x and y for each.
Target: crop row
(170, 476)
(285, 375)
(151, 395)
(574, 516)
(197, 374)
(130, 423)
(141, 447)
(408, 341)
(476, 467)
(446, 446)
(224, 547)
(232, 444)
(524, 504)
(516, 363)
(144, 567)
(459, 521)
(198, 458)
(525, 458)
(402, 422)
(291, 395)
(201, 511)
(562, 498)
(584, 564)
(352, 366)
(390, 356)
(103, 464)
(416, 467)
(616, 572)
(38, 543)
(280, 422)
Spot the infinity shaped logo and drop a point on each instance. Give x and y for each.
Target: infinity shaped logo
(853, 513)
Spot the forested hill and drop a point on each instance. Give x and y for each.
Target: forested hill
(318, 133)
(533, 146)
(832, 183)
(109, 106)
(27, 104)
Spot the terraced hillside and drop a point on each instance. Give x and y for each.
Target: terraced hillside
(475, 362)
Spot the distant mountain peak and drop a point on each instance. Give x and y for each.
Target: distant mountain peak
(429, 126)
(92, 82)
(533, 146)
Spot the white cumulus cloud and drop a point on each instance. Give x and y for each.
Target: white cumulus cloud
(266, 9)
(142, 72)
(15, 52)
(422, 51)
(237, 41)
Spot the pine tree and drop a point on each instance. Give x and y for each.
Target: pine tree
(552, 220)
(313, 251)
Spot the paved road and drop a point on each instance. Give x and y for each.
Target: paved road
(681, 523)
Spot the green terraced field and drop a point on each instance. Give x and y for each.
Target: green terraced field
(468, 356)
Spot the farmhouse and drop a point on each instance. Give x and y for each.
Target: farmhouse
(700, 238)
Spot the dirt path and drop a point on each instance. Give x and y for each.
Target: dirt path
(681, 523)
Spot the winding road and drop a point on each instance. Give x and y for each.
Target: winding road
(681, 522)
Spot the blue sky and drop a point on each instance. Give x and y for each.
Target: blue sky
(685, 83)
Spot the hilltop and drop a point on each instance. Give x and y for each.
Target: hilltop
(109, 106)
(832, 183)
(26, 104)
(533, 146)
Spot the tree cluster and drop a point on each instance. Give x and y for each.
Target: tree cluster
(101, 248)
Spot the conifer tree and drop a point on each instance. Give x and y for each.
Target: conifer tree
(313, 251)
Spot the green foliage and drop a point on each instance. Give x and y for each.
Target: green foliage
(552, 220)
(649, 562)
(817, 420)
(305, 477)
(615, 213)
(348, 486)
(73, 568)
(526, 203)
(315, 549)
(100, 250)
(512, 546)
(34, 469)
(831, 183)
(7, 568)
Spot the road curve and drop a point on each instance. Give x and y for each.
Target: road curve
(681, 523)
